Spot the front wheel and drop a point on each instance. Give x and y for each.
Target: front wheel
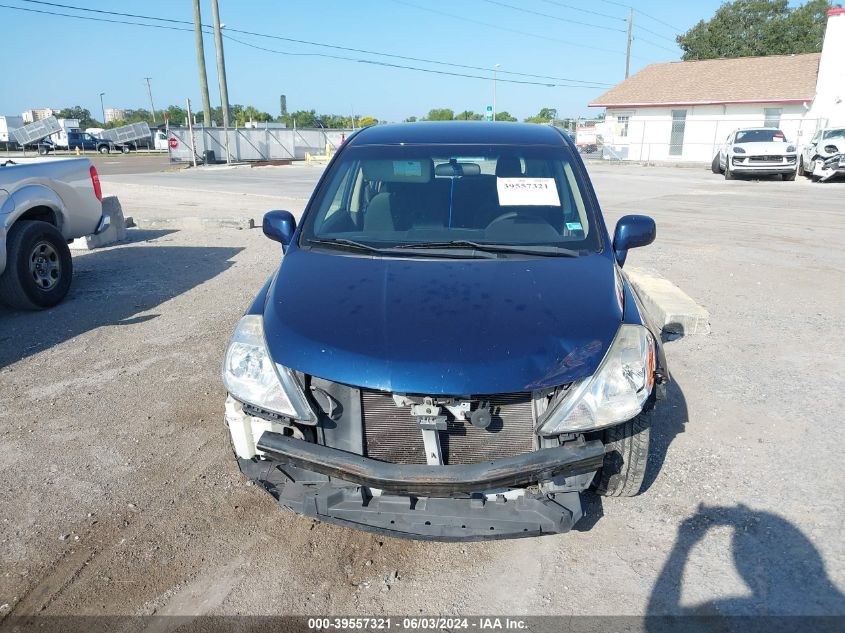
(625, 458)
(104, 149)
(789, 176)
(38, 266)
(715, 167)
(801, 171)
(729, 175)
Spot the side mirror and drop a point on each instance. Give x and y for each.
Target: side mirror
(279, 226)
(632, 231)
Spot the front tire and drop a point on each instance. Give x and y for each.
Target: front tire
(38, 266)
(104, 149)
(715, 167)
(801, 171)
(729, 175)
(625, 458)
(789, 177)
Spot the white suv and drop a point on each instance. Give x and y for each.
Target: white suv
(759, 150)
(823, 145)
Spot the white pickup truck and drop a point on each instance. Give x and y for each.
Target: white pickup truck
(43, 206)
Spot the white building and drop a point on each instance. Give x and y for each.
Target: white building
(683, 111)
(36, 114)
(115, 114)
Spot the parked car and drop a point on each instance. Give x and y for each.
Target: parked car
(823, 153)
(42, 207)
(760, 151)
(450, 348)
(89, 142)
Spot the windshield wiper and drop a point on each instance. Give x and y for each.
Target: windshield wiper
(527, 249)
(390, 250)
(342, 241)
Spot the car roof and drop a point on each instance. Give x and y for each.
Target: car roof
(753, 129)
(459, 133)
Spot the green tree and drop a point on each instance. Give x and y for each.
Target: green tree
(744, 28)
(504, 115)
(469, 115)
(411, 119)
(78, 112)
(440, 114)
(546, 115)
(367, 121)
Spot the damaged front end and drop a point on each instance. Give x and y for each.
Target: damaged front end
(429, 466)
(827, 168)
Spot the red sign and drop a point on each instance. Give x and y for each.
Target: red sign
(174, 142)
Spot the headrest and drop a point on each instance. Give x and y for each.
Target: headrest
(508, 167)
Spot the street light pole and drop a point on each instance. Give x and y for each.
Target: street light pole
(495, 68)
(102, 107)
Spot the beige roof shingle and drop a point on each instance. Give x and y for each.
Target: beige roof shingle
(756, 79)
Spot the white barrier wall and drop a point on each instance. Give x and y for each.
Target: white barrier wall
(254, 144)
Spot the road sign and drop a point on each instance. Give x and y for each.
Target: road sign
(36, 131)
(489, 114)
(174, 142)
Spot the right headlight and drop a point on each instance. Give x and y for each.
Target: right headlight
(738, 150)
(251, 376)
(615, 393)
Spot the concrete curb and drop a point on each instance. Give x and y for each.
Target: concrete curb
(194, 223)
(116, 231)
(668, 306)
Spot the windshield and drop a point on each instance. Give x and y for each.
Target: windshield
(760, 136)
(405, 197)
(840, 133)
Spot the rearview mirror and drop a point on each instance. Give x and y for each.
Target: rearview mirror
(279, 226)
(632, 231)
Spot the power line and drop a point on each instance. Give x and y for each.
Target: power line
(598, 13)
(553, 17)
(640, 38)
(319, 44)
(338, 57)
(644, 14)
(507, 29)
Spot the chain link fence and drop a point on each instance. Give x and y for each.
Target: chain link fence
(682, 139)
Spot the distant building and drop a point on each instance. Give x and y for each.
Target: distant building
(31, 116)
(684, 110)
(115, 114)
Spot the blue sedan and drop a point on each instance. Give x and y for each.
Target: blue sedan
(449, 349)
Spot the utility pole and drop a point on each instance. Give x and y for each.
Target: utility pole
(102, 107)
(495, 68)
(628, 49)
(150, 92)
(206, 102)
(221, 73)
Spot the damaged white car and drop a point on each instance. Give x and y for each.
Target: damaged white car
(824, 156)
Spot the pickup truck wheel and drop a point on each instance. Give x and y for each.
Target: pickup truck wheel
(38, 266)
(625, 458)
(103, 149)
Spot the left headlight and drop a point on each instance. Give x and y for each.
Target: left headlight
(738, 150)
(615, 393)
(251, 376)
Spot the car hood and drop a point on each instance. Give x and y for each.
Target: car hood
(442, 327)
(756, 149)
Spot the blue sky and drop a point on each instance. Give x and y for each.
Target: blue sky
(52, 61)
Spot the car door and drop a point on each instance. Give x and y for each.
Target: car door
(810, 150)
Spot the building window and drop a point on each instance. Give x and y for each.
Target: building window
(772, 117)
(622, 125)
(676, 139)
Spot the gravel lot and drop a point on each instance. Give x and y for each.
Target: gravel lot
(119, 493)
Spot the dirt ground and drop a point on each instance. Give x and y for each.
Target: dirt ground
(119, 493)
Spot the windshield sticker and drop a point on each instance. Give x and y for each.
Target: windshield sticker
(574, 226)
(518, 192)
(407, 168)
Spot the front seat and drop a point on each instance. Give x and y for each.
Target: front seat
(379, 215)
